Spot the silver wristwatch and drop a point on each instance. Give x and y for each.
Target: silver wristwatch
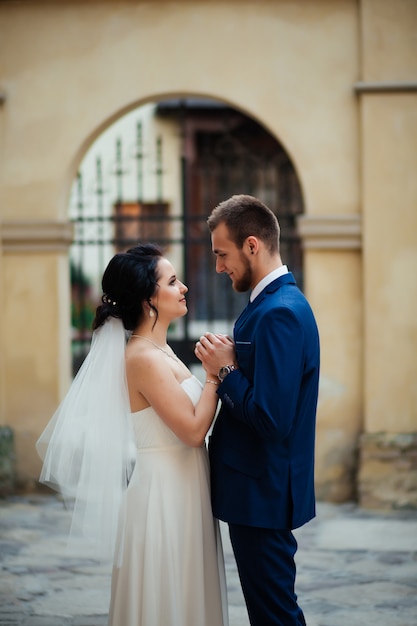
(224, 371)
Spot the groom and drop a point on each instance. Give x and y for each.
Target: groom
(262, 445)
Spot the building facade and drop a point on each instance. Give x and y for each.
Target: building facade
(335, 82)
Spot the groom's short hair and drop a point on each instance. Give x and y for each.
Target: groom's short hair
(244, 216)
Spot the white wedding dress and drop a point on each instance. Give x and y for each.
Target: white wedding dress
(169, 547)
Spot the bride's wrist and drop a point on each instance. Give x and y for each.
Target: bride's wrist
(210, 381)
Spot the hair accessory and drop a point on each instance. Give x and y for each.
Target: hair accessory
(108, 300)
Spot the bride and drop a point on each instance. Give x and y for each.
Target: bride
(156, 518)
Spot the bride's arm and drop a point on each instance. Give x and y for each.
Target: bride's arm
(151, 377)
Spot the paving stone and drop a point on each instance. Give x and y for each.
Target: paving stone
(36, 620)
(94, 620)
(354, 568)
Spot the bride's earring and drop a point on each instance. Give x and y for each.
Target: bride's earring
(151, 313)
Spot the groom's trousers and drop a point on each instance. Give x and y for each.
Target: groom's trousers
(265, 562)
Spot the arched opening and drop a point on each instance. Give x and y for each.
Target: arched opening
(155, 175)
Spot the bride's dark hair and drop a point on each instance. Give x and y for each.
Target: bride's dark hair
(129, 280)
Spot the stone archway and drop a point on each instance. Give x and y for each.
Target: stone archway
(155, 174)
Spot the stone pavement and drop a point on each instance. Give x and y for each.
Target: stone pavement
(355, 568)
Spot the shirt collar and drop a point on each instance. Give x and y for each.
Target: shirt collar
(280, 271)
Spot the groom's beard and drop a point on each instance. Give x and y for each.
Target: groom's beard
(245, 281)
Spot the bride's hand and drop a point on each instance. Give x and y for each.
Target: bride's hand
(215, 351)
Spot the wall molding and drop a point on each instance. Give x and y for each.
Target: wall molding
(330, 232)
(387, 86)
(36, 236)
(316, 231)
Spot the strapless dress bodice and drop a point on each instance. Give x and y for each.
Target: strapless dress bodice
(150, 430)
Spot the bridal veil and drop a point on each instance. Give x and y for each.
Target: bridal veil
(88, 446)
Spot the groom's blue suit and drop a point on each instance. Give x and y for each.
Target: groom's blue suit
(262, 445)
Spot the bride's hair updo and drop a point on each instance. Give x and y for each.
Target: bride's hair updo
(129, 280)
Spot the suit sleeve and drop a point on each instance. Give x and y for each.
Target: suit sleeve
(268, 404)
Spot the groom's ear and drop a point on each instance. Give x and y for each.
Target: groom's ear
(251, 244)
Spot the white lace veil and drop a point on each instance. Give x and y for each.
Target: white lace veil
(88, 446)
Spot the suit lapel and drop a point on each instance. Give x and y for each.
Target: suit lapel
(286, 279)
(240, 320)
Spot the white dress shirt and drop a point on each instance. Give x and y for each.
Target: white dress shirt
(280, 271)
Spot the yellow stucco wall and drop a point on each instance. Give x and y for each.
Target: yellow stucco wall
(68, 69)
(389, 124)
(387, 474)
(390, 263)
(36, 316)
(335, 288)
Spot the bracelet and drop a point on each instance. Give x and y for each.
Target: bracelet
(212, 382)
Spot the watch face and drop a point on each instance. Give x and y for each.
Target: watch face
(223, 372)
